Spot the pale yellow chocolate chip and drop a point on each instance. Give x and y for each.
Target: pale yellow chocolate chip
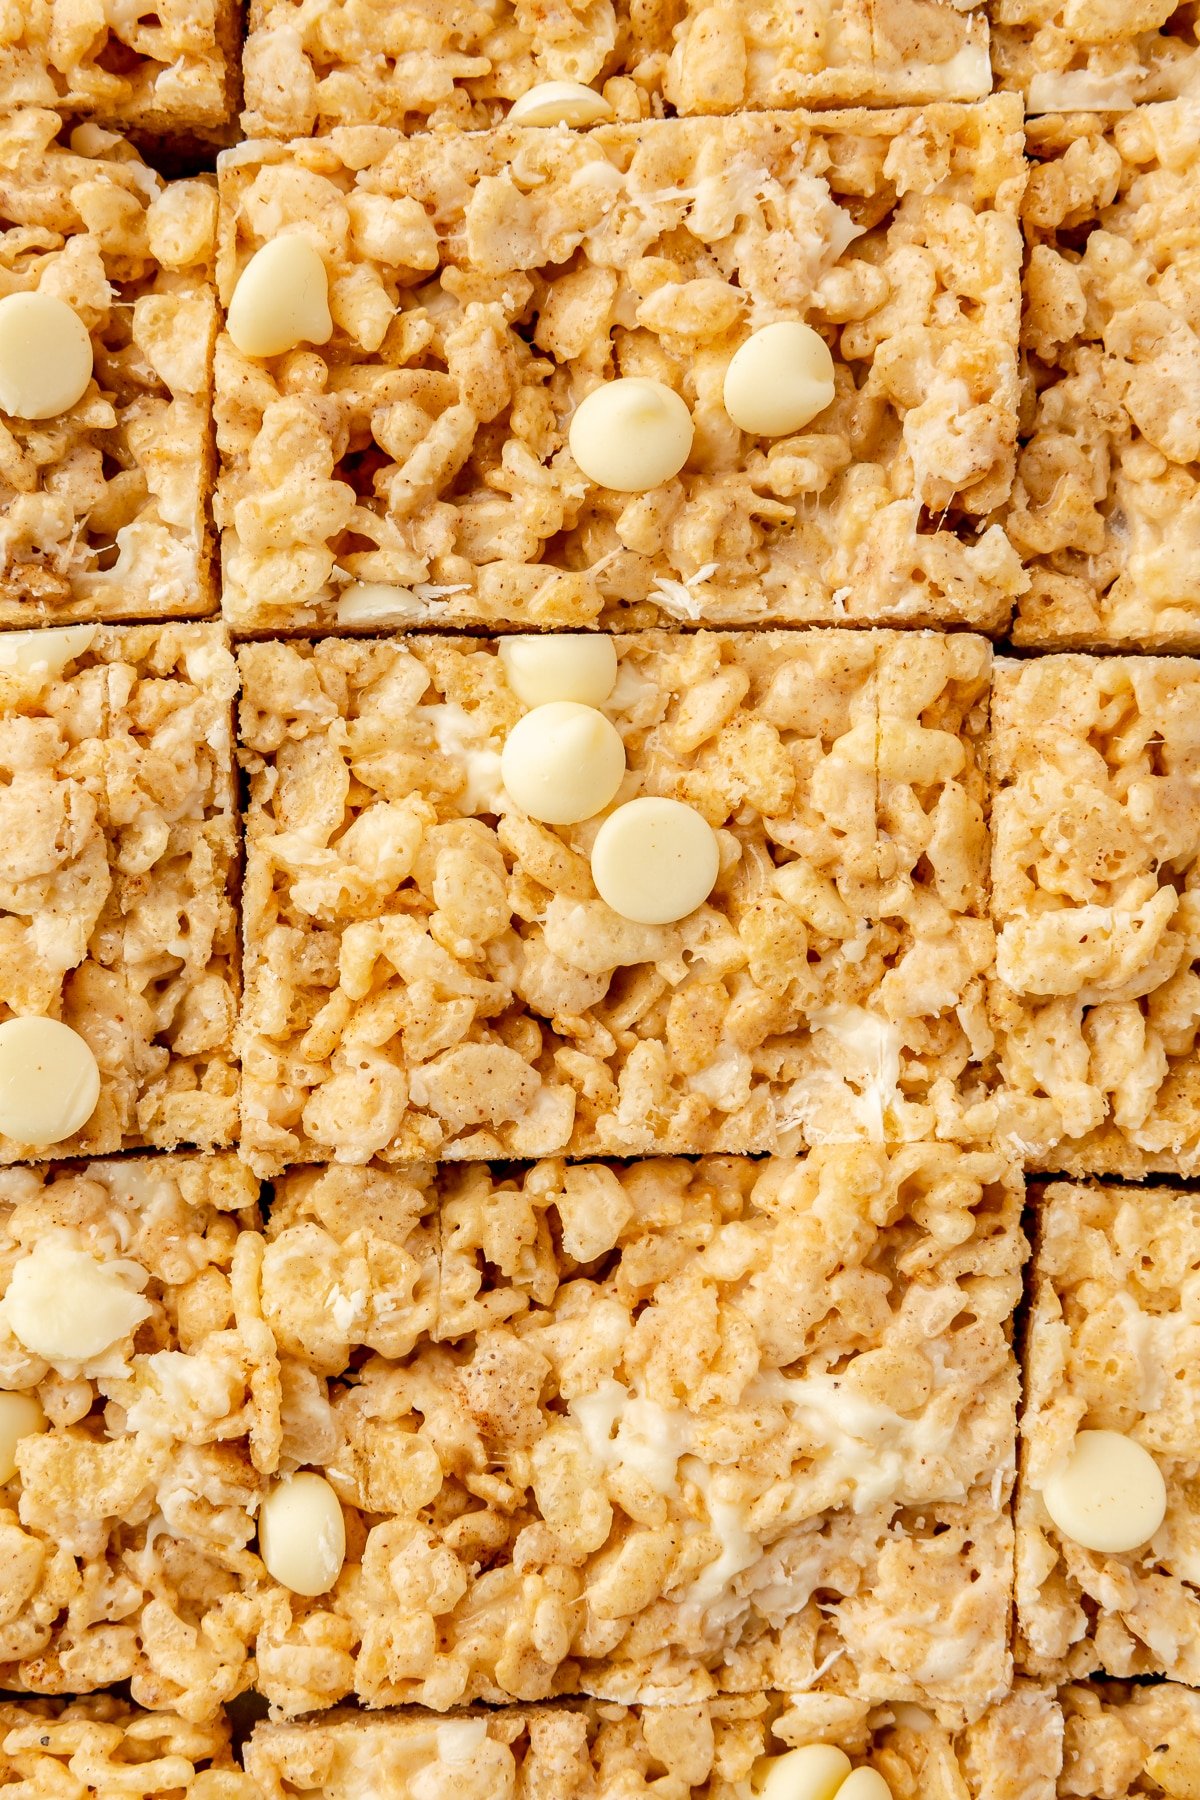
(21, 1416)
(540, 669)
(814, 1772)
(864, 1784)
(562, 762)
(377, 603)
(49, 1081)
(560, 103)
(779, 379)
(631, 434)
(655, 861)
(66, 1307)
(45, 356)
(302, 1534)
(281, 299)
(45, 652)
(1107, 1493)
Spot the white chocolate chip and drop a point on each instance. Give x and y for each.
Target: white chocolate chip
(377, 603)
(281, 299)
(631, 434)
(779, 379)
(560, 103)
(655, 861)
(45, 652)
(572, 667)
(45, 356)
(66, 1307)
(302, 1534)
(49, 1081)
(814, 1772)
(1107, 1493)
(562, 762)
(864, 1784)
(21, 1416)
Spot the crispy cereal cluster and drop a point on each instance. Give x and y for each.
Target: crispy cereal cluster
(160, 66)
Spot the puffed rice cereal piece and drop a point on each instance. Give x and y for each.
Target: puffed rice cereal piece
(104, 506)
(1095, 998)
(430, 971)
(311, 66)
(1113, 1347)
(118, 846)
(486, 288)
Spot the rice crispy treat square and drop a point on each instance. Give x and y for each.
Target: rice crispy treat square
(578, 1750)
(1106, 505)
(1123, 1740)
(1112, 1346)
(123, 1533)
(309, 68)
(103, 1746)
(1075, 55)
(481, 285)
(675, 1427)
(1095, 892)
(104, 508)
(429, 971)
(118, 848)
(162, 68)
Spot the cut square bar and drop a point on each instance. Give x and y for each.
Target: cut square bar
(103, 1745)
(124, 1531)
(655, 1430)
(1122, 1740)
(1112, 1346)
(162, 68)
(1095, 879)
(310, 68)
(481, 286)
(1106, 506)
(104, 507)
(118, 854)
(1069, 56)
(580, 1751)
(430, 971)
